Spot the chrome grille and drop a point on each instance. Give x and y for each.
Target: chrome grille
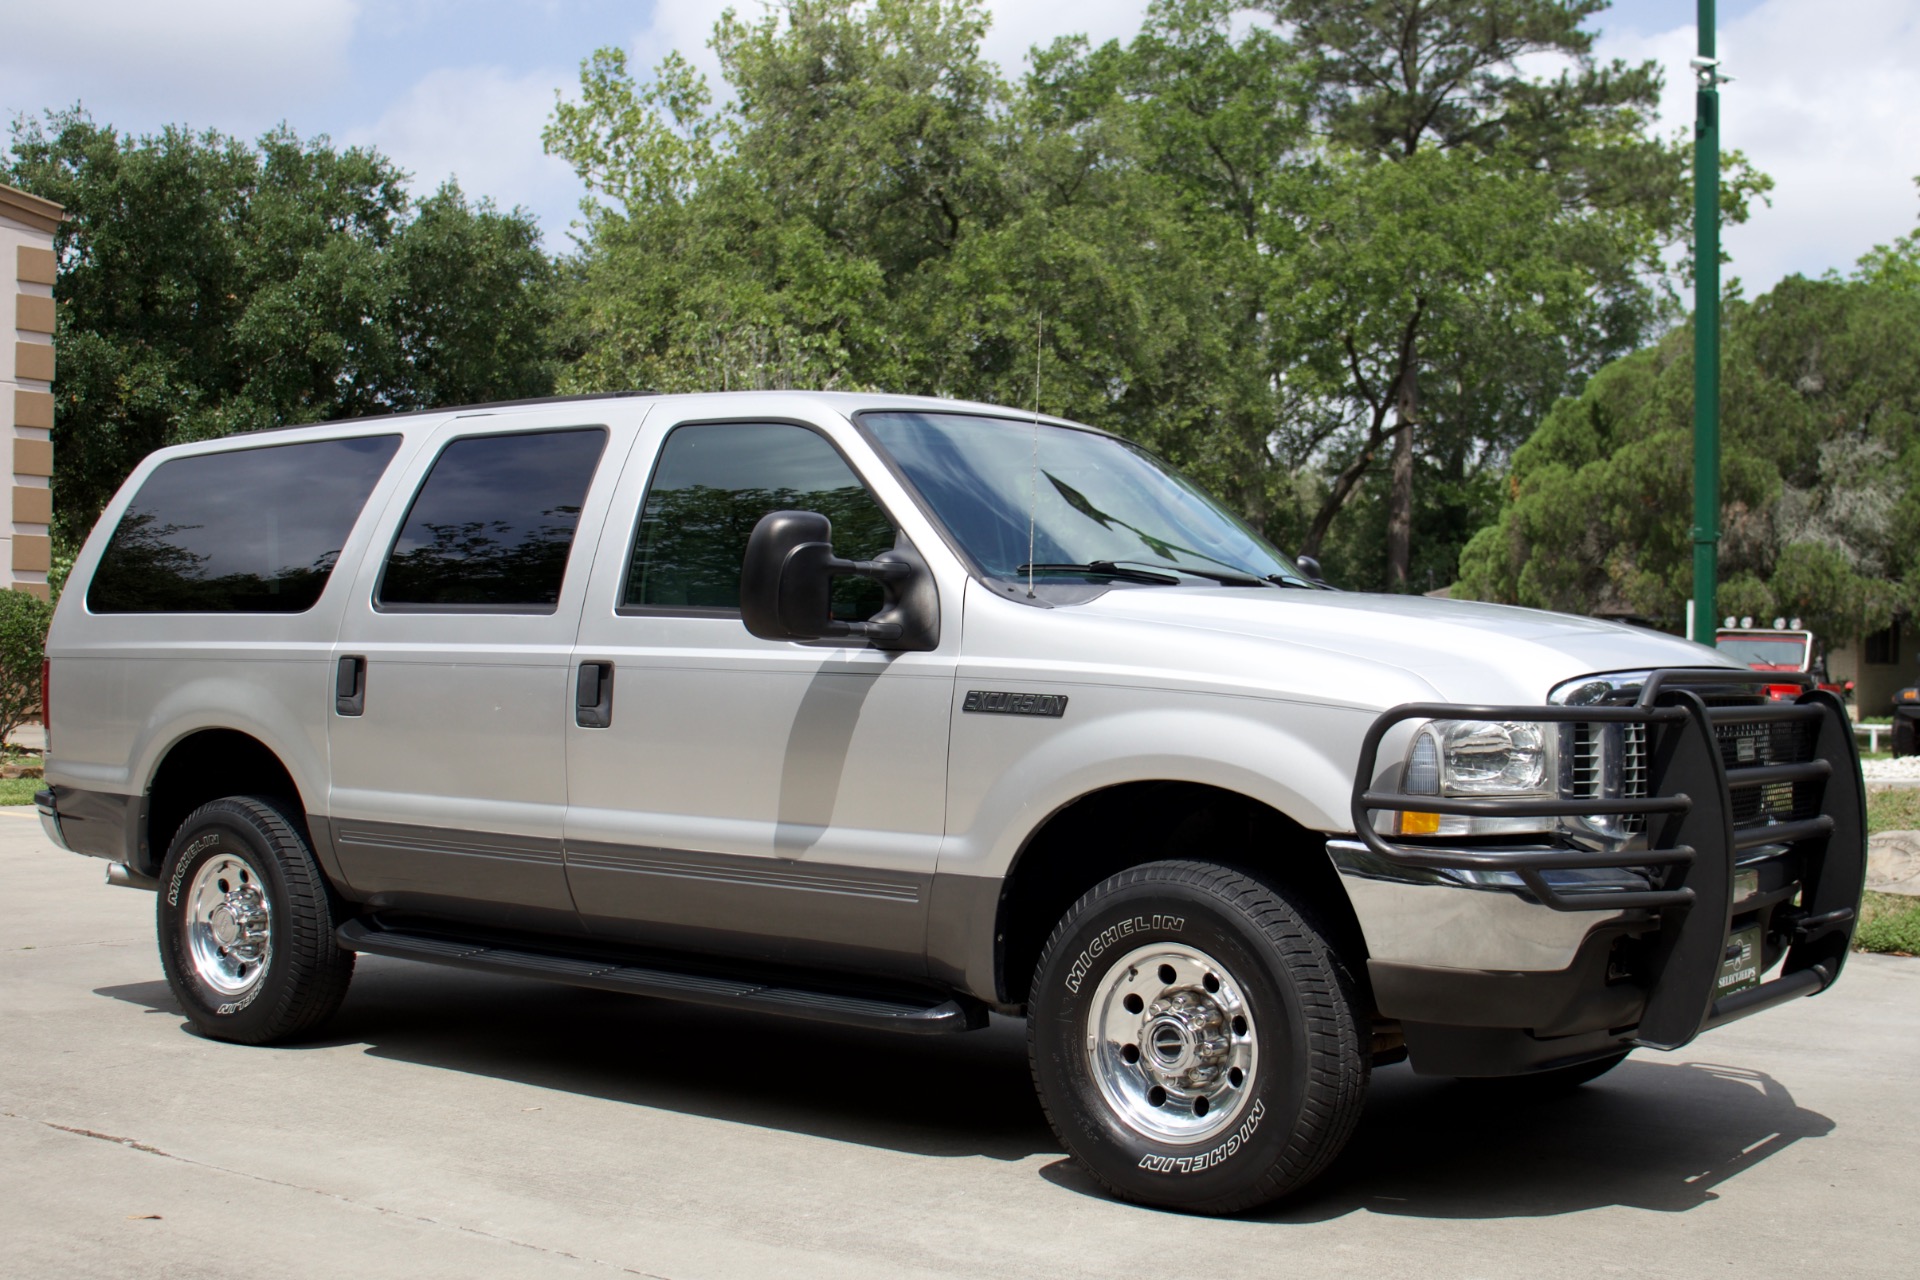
(1608, 762)
(1585, 766)
(1746, 744)
(1633, 772)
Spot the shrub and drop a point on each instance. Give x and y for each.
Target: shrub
(23, 643)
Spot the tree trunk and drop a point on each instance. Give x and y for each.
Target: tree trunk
(1406, 410)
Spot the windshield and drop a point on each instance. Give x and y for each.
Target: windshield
(1766, 653)
(1094, 499)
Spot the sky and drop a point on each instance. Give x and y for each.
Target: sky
(1823, 96)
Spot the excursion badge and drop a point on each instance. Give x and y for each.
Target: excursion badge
(1015, 704)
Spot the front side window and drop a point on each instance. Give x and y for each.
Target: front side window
(713, 483)
(247, 531)
(491, 528)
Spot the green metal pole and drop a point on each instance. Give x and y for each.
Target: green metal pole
(1706, 333)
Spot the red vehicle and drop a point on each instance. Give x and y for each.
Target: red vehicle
(1778, 648)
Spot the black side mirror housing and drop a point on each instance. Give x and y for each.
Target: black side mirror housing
(786, 587)
(1311, 567)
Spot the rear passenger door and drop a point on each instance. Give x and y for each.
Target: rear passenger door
(450, 696)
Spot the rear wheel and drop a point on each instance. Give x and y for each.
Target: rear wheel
(245, 925)
(1194, 1040)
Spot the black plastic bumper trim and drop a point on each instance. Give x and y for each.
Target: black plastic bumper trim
(100, 824)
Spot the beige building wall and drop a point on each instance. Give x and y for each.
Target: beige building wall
(1876, 682)
(27, 224)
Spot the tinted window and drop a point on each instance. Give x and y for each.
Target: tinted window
(711, 486)
(250, 531)
(492, 525)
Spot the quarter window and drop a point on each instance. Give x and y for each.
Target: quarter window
(491, 528)
(714, 482)
(246, 531)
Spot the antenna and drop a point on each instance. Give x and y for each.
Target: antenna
(1033, 470)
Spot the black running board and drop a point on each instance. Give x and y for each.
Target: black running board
(927, 1015)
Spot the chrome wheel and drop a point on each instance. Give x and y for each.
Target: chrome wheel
(1171, 1043)
(228, 925)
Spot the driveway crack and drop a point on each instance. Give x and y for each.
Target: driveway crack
(148, 1149)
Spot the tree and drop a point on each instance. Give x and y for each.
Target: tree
(1529, 219)
(1820, 486)
(208, 286)
(1896, 265)
(1223, 239)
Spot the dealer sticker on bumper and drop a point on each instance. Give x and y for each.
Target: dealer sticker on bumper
(1740, 967)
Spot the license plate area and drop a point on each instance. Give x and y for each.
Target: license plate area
(1740, 963)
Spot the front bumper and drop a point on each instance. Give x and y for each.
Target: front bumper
(1508, 957)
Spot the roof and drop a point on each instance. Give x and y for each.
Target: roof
(847, 402)
(28, 210)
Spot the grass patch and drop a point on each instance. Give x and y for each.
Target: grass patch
(1893, 809)
(19, 790)
(1889, 924)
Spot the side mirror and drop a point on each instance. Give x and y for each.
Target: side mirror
(1310, 566)
(786, 587)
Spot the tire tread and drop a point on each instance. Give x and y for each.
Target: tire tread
(318, 970)
(1338, 1067)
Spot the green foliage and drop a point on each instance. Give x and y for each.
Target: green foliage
(23, 644)
(1896, 265)
(1893, 809)
(64, 550)
(1820, 438)
(1889, 924)
(1219, 238)
(19, 790)
(209, 286)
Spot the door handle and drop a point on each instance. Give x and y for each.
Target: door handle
(350, 686)
(593, 695)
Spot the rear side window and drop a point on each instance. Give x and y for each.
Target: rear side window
(492, 525)
(713, 483)
(249, 531)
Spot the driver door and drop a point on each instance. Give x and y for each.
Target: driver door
(766, 800)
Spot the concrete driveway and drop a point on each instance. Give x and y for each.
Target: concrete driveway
(467, 1126)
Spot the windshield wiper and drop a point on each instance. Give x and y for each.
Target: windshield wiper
(1211, 575)
(1104, 569)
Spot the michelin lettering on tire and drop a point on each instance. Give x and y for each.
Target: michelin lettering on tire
(193, 851)
(1107, 937)
(1207, 1159)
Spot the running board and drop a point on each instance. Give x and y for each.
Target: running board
(924, 1016)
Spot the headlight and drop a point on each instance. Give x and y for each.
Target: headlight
(1477, 758)
(1482, 758)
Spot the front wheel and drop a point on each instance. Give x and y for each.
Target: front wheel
(245, 925)
(1194, 1040)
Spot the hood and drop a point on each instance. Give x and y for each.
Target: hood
(1465, 651)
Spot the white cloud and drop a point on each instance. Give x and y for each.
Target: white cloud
(1017, 27)
(481, 125)
(199, 55)
(1824, 102)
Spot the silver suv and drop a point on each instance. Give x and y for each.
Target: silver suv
(893, 712)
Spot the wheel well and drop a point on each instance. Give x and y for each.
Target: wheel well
(205, 766)
(1110, 830)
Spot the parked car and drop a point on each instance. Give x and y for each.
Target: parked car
(1906, 721)
(896, 713)
(1785, 646)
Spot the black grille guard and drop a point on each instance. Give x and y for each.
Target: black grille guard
(1692, 844)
